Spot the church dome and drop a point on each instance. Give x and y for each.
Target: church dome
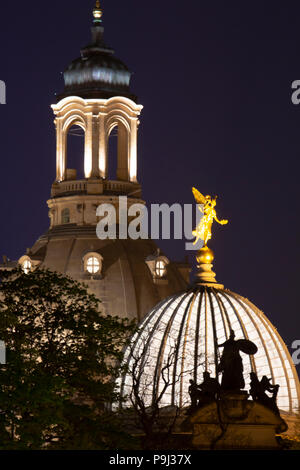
(185, 330)
(117, 271)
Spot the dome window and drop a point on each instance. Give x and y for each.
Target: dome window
(157, 265)
(160, 268)
(26, 266)
(92, 265)
(65, 216)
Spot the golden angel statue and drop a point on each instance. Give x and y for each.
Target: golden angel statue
(203, 230)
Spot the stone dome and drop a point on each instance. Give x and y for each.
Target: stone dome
(185, 330)
(126, 282)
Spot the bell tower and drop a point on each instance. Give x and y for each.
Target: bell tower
(97, 99)
(97, 118)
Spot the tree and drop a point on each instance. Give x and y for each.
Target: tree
(148, 388)
(148, 411)
(63, 357)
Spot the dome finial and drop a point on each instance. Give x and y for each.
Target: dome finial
(205, 275)
(97, 13)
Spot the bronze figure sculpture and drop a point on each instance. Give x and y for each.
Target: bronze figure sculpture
(231, 363)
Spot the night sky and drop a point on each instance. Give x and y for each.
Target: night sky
(215, 81)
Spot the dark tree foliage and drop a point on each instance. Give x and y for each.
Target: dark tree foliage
(63, 357)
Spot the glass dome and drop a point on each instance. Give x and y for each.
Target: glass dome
(179, 339)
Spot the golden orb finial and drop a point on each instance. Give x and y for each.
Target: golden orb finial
(97, 12)
(205, 256)
(205, 275)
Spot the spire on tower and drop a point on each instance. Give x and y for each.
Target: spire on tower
(97, 13)
(97, 73)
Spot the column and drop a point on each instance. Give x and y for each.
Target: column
(133, 151)
(88, 144)
(95, 147)
(102, 146)
(60, 150)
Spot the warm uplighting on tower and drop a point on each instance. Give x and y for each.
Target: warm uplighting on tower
(97, 12)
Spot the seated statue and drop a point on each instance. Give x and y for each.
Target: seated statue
(258, 391)
(209, 388)
(204, 393)
(255, 387)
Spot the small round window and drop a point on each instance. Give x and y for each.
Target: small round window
(26, 266)
(93, 265)
(160, 268)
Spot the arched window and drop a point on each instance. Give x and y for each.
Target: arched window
(75, 152)
(65, 216)
(157, 265)
(92, 263)
(26, 266)
(118, 153)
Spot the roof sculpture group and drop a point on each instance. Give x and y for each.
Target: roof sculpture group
(231, 367)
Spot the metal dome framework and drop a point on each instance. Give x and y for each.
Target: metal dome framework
(178, 340)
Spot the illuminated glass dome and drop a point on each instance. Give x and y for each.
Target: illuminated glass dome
(186, 329)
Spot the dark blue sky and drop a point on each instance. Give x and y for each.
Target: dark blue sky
(215, 81)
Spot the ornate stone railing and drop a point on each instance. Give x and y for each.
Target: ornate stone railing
(95, 186)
